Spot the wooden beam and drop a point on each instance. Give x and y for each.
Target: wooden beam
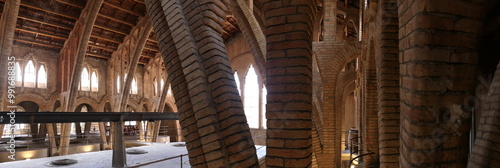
(42, 33)
(125, 10)
(116, 20)
(111, 29)
(46, 23)
(97, 55)
(34, 6)
(152, 40)
(102, 47)
(38, 43)
(147, 56)
(139, 1)
(69, 3)
(107, 39)
(149, 48)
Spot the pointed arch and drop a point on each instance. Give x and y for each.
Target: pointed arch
(42, 77)
(118, 82)
(155, 86)
(251, 98)
(134, 89)
(237, 79)
(94, 82)
(29, 74)
(85, 80)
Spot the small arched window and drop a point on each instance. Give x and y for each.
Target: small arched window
(251, 98)
(155, 85)
(134, 89)
(19, 75)
(161, 85)
(169, 91)
(118, 81)
(42, 77)
(29, 75)
(237, 79)
(94, 82)
(85, 80)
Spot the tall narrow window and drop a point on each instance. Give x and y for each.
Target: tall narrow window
(118, 81)
(19, 75)
(161, 85)
(29, 75)
(169, 91)
(134, 87)
(155, 85)
(94, 82)
(85, 80)
(42, 77)
(237, 79)
(251, 98)
(264, 102)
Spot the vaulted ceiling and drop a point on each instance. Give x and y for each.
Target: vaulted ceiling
(47, 24)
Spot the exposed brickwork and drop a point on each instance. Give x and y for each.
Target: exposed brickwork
(387, 62)
(370, 108)
(438, 57)
(220, 133)
(289, 79)
(7, 24)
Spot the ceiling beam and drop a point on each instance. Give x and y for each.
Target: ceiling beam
(34, 6)
(42, 33)
(152, 49)
(46, 23)
(106, 39)
(116, 20)
(111, 29)
(102, 47)
(147, 56)
(125, 10)
(69, 3)
(97, 55)
(38, 43)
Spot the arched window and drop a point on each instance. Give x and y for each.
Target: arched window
(134, 87)
(42, 77)
(29, 75)
(155, 85)
(169, 91)
(251, 98)
(94, 82)
(237, 79)
(85, 80)
(162, 83)
(118, 81)
(264, 102)
(19, 75)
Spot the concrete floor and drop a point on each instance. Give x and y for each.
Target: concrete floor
(155, 158)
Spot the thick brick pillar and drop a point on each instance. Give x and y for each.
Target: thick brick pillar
(387, 60)
(289, 27)
(439, 42)
(370, 110)
(7, 28)
(210, 109)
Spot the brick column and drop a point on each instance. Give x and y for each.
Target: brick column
(439, 42)
(289, 27)
(7, 28)
(370, 110)
(387, 59)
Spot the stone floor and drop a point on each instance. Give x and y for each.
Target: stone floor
(155, 158)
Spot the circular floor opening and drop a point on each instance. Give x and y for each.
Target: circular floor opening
(62, 162)
(136, 151)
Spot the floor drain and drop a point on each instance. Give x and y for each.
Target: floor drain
(136, 151)
(62, 162)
